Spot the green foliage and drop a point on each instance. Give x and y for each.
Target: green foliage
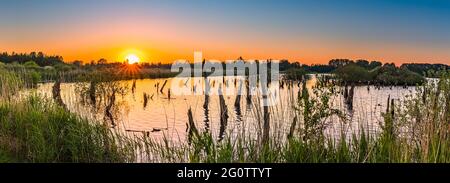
(32, 78)
(353, 73)
(39, 58)
(385, 75)
(63, 67)
(31, 64)
(428, 70)
(396, 76)
(35, 130)
(295, 74)
(10, 83)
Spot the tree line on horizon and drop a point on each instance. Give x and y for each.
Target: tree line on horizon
(335, 64)
(42, 60)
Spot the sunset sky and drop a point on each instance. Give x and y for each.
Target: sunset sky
(161, 30)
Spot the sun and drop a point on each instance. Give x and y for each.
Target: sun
(132, 59)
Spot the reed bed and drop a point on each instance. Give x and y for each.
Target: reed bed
(37, 129)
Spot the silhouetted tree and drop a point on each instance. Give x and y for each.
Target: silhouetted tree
(363, 63)
(339, 62)
(39, 58)
(375, 64)
(102, 61)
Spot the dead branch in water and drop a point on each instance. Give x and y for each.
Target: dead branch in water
(162, 88)
(146, 96)
(92, 89)
(108, 108)
(133, 87)
(57, 94)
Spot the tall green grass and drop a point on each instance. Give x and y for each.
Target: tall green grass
(37, 130)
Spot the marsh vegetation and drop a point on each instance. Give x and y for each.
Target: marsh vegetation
(104, 118)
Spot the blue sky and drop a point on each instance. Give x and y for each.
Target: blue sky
(313, 31)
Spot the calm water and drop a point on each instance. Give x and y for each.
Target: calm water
(167, 117)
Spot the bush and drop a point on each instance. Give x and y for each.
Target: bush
(62, 67)
(385, 75)
(353, 73)
(31, 64)
(295, 74)
(395, 76)
(35, 77)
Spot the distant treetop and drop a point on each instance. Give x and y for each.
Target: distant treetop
(39, 58)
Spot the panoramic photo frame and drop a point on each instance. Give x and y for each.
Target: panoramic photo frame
(215, 90)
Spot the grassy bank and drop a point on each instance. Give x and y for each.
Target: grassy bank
(36, 130)
(34, 74)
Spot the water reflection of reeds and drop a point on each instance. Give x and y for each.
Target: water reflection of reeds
(151, 114)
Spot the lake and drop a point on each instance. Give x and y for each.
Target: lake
(162, 116)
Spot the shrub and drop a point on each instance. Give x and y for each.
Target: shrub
(295, 74)
(353, 73)
(31, 64)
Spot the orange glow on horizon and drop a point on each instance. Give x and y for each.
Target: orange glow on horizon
(166, 36)
(132, 59)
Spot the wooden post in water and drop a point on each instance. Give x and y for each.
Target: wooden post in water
(387, 108)
(247, 88)
(389, 119)
(265, 99)
(133, 86)
(237, 102)
(345, 92)
(168, 94)
(350, 96)
(92, 92)
(223, 113)
(266, 126)
(392, 108)
(223, 81)
(206, 105)
(108, 108)
(191, 126)
(146, 96)
(57, 94)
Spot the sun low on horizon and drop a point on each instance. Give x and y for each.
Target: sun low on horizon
(132, 59)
